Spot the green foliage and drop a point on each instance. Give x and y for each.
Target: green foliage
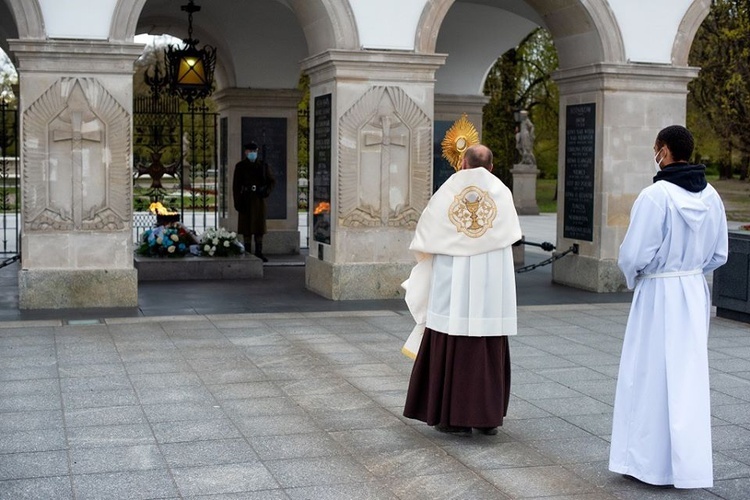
(521, 79)
(719, 99)
(303, 127)
(546, 195)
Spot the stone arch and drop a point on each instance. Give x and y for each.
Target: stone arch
(689, 25)
(28, 17)
(580, 21)
(327, 24)
(125, 19)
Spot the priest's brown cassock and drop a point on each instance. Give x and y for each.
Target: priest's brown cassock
(462, 296)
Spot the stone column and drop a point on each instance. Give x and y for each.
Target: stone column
(608, 159)
(76, 113)
(271, 113)
(450, 107)
(371, 125)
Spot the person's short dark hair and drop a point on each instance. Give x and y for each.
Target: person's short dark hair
(251, 146)
(478, 156)
(678, 140)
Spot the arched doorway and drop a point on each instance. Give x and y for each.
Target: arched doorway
(259, 49)
(616, 104)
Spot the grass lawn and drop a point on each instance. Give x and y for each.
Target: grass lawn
(545, 195)
(736, 197)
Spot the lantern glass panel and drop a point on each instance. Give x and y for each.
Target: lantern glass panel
(191, 71)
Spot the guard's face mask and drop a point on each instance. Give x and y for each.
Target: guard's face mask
(657, 162)
(252, 156)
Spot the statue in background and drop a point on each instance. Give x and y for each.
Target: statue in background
(525, 140)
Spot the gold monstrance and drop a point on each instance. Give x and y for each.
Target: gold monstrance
(457, 140)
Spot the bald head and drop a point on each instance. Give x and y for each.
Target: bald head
(476, 156)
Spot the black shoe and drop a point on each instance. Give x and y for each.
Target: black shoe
(487, 431)
(449, 429)
(261, 257)
(635, 479)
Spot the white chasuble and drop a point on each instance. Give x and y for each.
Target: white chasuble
(464, 281)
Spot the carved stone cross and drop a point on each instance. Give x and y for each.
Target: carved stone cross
(388, 139)
(83, 126)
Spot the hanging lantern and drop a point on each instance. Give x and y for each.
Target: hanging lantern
(190, 71)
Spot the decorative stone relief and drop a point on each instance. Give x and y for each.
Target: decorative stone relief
(76, 155)
(385, 142)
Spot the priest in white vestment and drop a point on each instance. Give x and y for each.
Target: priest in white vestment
(661, 432)
(462, 295)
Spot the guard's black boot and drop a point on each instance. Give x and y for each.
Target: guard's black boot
(259, 250)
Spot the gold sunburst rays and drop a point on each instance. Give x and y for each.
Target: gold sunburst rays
(458, 139)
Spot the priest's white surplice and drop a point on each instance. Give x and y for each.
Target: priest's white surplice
(661, 430)
(464, 282)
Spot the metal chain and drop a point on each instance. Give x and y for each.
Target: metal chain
(545, 246)
(9, 261)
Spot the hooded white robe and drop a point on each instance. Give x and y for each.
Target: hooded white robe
(661, 431)
(464, 281)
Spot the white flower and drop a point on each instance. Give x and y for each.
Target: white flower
(215, 241)
(206, 248)
(211, 253)
(226, 243)
(174, 237)
(171, 249)
(159, 240)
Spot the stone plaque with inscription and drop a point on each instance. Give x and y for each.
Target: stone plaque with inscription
(322, 170)
(580, 137)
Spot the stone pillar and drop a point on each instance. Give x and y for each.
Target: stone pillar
(76, 113)
(524, 189)
(269, 118)
(450, 107)
(609, 117)
(371, 123)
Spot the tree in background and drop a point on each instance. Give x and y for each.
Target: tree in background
(521, 79)
(719, 99)
(8, 129)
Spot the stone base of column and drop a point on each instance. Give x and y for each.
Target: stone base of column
(72, 289)
(281, 242)
(356, 281)
(588, 273)
(524, 189)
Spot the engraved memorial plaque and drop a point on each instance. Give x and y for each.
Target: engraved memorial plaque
(580, 137)
(322, 170)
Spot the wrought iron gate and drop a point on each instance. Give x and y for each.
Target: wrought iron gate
(174, 161)
(10, 245)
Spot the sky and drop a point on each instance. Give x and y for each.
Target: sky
(6, 67)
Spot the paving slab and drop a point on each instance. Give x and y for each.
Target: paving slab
(264, 390)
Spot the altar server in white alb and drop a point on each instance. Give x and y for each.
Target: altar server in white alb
(462, 294)
(661, 432)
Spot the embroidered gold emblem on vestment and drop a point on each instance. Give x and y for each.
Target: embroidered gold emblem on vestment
(472, 212)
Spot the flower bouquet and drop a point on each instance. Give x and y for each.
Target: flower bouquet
(171, 240)
(220, 243)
